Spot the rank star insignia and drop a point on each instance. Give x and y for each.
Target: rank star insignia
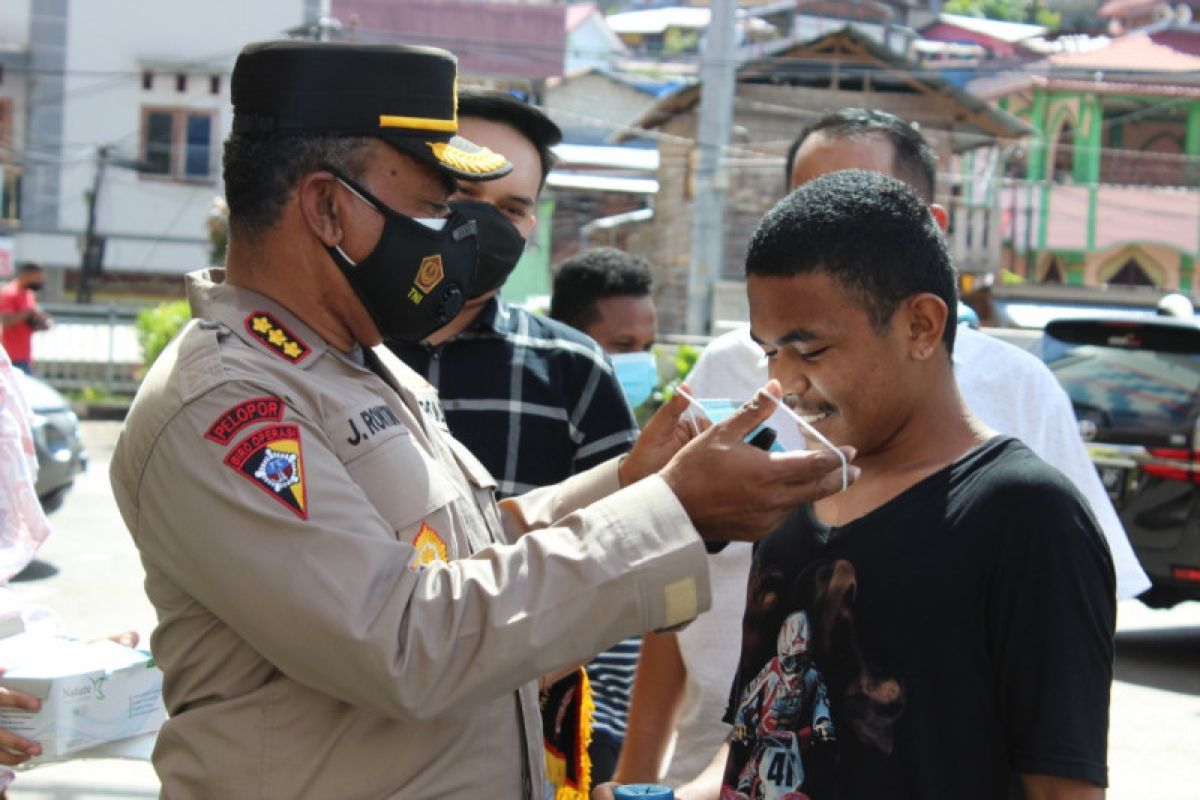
(276, 337)
(271, 458)
(429, 546)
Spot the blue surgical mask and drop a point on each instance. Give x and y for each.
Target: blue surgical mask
(720, 409)
(638, 374)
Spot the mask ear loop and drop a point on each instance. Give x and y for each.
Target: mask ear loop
(816, 434)
(691, 412)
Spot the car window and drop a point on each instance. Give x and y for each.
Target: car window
(1124, 390)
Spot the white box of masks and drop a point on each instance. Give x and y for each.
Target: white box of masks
(91, 692)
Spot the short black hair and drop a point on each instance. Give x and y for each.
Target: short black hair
(261, 171)
(25, 267)
(530, 122)
(914, 159)
(582, 279)
(869, 232)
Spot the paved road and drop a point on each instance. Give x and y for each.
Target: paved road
(97, 589)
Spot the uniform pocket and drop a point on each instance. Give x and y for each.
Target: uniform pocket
(403, 483)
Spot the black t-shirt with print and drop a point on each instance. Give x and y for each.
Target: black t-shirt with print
(937, 647)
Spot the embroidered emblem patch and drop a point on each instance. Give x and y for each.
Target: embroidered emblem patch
(430, 274)
(271, 458)
(236, 418)
(278, 339)
(429, 546)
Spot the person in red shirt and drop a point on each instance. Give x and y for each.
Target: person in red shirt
(20, 314)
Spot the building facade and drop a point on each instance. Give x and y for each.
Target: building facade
(112, 114)
(1108, 191)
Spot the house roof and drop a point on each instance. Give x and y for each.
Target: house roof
(1122, 8)
(995, 87)
(657, 20)
(507, 39)
(643, 85)
(855, 54)
(1010, 32)
(1169, 50)
(577, 14)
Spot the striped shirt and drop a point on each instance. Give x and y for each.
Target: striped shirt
(611, 674)
(536, 401)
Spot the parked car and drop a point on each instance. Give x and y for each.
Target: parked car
(1135, 385)
(60, 452)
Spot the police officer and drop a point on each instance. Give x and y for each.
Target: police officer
(344, 611)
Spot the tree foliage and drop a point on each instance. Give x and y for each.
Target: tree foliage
(1009, 10)
(157, 326)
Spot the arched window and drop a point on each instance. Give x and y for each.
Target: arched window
(1131, 274)
(1053, 273)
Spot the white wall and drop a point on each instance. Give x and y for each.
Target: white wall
(152, 224)
(592, 45)
(14, 22)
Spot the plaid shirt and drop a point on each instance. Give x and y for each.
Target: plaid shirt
(533, 399)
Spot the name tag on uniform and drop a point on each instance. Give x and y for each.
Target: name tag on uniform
(370, 423)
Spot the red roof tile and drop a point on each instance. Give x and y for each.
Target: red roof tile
(1121, 8)
(1165, 51)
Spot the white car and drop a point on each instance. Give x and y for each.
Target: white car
(60, 452)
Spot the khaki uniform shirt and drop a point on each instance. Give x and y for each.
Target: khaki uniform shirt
(344, 612)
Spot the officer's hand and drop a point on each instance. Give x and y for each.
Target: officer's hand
(604, 791)
(662, 438)
(735, 491)
(16, 749)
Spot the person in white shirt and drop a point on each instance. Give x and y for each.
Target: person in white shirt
(683, 680)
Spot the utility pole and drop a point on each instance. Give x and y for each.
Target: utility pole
(712, 177)
(93, 246)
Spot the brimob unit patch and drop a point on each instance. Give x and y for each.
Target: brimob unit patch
(236, 418)
(271, 458)
(276, 336)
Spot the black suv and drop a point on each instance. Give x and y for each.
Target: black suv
(1135, 385)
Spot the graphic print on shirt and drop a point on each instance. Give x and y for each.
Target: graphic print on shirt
(786, 723)
(271, 458)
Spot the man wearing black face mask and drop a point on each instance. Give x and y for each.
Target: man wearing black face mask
(532, 398)
(21, 316)
(343, 608)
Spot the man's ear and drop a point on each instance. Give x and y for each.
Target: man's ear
(319, 204)
(940, 215)
(927, 318)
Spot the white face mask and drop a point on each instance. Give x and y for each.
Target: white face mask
(813, 432)
(433, 223)
(704, 409)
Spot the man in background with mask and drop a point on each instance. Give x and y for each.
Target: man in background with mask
(343, 609)
(605, 293)
(21, 316)
(531, 398)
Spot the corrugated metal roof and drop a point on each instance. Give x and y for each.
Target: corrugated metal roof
(1010, 32)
